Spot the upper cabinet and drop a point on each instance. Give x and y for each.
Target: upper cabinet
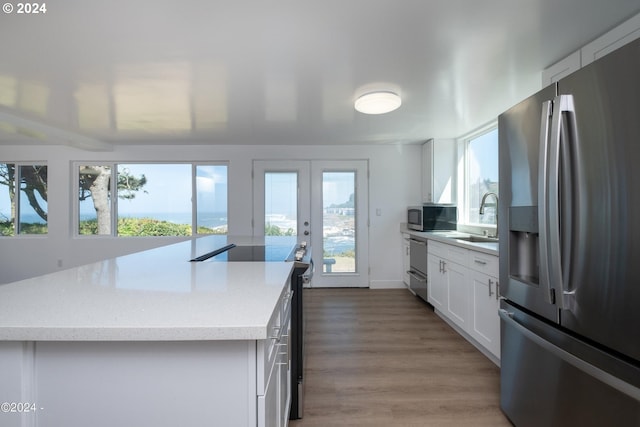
(618, 37)
(561, 69)
(438, 171)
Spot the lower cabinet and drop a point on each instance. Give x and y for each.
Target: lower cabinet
(447, 275)
(274, 370)
(230, 383)
(436, 280)
(463, 287)
(406, 259)
(485, 323)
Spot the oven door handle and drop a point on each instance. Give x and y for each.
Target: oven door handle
(417, 276)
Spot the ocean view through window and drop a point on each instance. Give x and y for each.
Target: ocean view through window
(152, 199)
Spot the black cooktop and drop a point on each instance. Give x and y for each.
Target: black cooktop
(258, 253)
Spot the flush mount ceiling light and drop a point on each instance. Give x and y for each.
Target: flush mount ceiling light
(378, 102)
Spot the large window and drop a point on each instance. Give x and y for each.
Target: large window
(152, 199)
(480, 177)
(23, 199)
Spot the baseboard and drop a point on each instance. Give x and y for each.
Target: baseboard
(387, 284)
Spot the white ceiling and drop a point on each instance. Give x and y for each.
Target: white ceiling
(278, 72)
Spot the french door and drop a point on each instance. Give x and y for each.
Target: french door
(322, 202)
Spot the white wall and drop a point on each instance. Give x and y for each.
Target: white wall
(394, 184)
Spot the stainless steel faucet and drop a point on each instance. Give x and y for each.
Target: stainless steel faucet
(482, 204)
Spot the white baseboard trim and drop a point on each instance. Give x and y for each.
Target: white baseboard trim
(387, 284)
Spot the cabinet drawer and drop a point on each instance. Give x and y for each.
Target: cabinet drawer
(437, 248)
(458, 255)
(484, 263)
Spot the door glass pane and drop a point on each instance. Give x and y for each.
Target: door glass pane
(338, 222)
(280, 203)
(211, 191)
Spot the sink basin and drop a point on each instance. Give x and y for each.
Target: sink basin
(478, 239)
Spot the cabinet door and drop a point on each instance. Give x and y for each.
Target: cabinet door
(485, 323)
(435, 282)
(443, 171)
(561, 69)
(427, 172)
(457, 293)
(618, 37)
(284, 377)
(268, 414)
(438, 170)
(406, 257)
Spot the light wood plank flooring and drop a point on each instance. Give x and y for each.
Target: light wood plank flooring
(382, 358)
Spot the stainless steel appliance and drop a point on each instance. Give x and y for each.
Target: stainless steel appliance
(570, 249)
(302, 273)
(418, 267)
(431, 217)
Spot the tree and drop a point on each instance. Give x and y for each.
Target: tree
(95, 183)
(33, 183)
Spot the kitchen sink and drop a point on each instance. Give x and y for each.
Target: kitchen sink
(478, 239)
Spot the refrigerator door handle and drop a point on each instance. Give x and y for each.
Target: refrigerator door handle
(562, 104)
(599, 374)
(543, 188)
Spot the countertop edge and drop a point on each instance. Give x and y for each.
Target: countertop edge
(475, 246)
(101, 334)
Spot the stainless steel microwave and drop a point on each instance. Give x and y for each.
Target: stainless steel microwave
(432, 217)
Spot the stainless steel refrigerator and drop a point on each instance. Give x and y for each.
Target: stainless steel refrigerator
(570, 249)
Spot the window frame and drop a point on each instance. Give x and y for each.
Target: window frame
(113, 202)
(463, 172)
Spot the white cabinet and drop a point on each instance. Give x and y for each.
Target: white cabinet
(485, 323)
(458, 293)
(438, 171)
(274, 369)
(608, 42)
(463, 288)
(561, 69)
(618, 37)
(447, 287)
(436, 281)
(406, 258)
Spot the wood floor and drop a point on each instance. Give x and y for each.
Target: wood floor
(382, 358)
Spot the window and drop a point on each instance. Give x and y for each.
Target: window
(480, 177)
(24, 211)
(152, 199)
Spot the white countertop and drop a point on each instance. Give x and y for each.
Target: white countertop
(452, 238)
(155, 295)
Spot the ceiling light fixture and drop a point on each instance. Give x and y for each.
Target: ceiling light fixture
(378, 102)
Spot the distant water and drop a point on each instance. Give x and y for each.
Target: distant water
(205, 219)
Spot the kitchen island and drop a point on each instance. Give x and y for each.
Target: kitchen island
(148, 339)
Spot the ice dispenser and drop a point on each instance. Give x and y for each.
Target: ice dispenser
(524, 262)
